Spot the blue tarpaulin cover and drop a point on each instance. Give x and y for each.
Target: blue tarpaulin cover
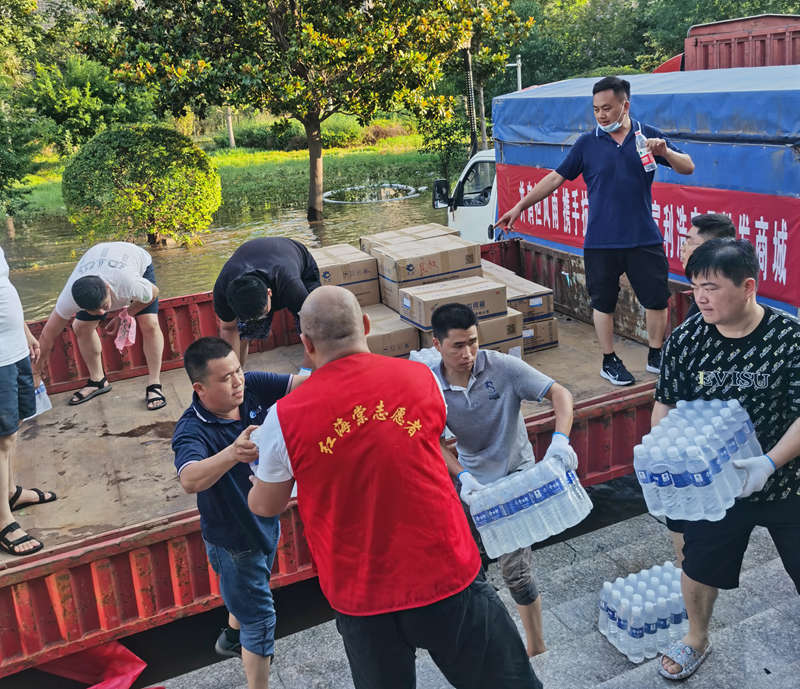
(739, 105)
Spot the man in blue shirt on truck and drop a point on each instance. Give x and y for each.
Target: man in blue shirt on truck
(621, 236)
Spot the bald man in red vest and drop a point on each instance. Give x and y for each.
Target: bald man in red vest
(385, 527)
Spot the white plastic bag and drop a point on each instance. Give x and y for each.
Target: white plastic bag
(43, 402)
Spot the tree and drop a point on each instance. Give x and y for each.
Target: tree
(141, 180)
(78, 99)
(307, 59)
(16, 162)
(20, 31)
(495, 29)
(448, 138)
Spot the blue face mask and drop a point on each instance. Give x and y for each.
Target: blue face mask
(609, 128)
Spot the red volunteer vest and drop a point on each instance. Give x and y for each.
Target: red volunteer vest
(382, 519)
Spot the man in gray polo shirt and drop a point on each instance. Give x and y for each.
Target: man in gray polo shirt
(484, 390)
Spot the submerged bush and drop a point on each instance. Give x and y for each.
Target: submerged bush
(141, 182)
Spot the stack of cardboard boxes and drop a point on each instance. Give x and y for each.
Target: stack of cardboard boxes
(414, 270)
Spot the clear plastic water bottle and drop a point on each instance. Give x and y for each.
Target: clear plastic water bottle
(729, 474)
(581, 502)
(712, 502)
(602, 615)
(635, 650)
(727, 434)
(687, 506)
(675, 617)
(743, 419)
(520, 508)
(718, 476)
(646, 483)
(650, 630)
(662, 626)
(612, 608)
(556, 500)
(662, 478)
(485, 519)
(623, 616)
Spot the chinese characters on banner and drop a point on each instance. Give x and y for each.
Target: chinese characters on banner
(770, 223)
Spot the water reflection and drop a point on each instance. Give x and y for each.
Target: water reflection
(43, 255)
(371, 193)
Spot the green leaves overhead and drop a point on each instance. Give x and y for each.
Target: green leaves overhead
(307, 59)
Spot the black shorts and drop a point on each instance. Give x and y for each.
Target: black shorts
(713, 551)
(470, 636)
(152, 307)
(647, 270)
(676, 525)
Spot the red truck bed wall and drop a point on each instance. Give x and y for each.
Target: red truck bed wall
(748, 42)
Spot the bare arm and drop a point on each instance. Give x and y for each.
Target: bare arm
(788, 447)
(680, 162)
(546, 186)
(450, 459)
(269, 499)
(561, 399)
(138, 306)
(660, 410)
(199, 476)
(229, 331)
(297, 380)
(52, 329)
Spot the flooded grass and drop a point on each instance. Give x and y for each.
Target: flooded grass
(255, 181)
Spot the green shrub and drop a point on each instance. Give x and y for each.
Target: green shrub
(340, 131)
(141, 181)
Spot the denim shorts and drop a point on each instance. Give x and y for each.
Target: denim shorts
(17, 398)
(244, 585)
(152, 307)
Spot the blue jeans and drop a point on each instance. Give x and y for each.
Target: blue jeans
(244, 585)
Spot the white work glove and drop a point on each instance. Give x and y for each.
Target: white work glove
(757, 469)
(469, 485)
(562, 450)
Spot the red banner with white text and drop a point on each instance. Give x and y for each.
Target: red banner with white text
(770, 223)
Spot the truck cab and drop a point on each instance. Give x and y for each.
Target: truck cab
(472, 208)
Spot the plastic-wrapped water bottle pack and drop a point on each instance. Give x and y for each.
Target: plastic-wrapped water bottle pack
(642, 614)
(684, 464)
(528, 506)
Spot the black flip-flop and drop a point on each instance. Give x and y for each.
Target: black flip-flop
(155, 388)
(11, 546)
(12, 503)
(101, 386)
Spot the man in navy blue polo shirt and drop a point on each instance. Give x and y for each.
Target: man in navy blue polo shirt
(621, 235)
(213, 452)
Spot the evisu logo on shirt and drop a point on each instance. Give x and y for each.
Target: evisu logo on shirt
(741, 379)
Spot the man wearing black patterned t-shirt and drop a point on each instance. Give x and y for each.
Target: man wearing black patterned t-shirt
(738, 349)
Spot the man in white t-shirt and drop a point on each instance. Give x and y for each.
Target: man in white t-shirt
(108, 277)
(18, 347)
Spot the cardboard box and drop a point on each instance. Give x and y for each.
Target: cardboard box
(541, 334)
(487, 298)
(532, 300)
(421, 262)
(405, 235)
(346, 266)
(389, 334)
(503, 334)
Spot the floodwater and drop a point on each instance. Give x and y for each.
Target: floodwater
(42, 256)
